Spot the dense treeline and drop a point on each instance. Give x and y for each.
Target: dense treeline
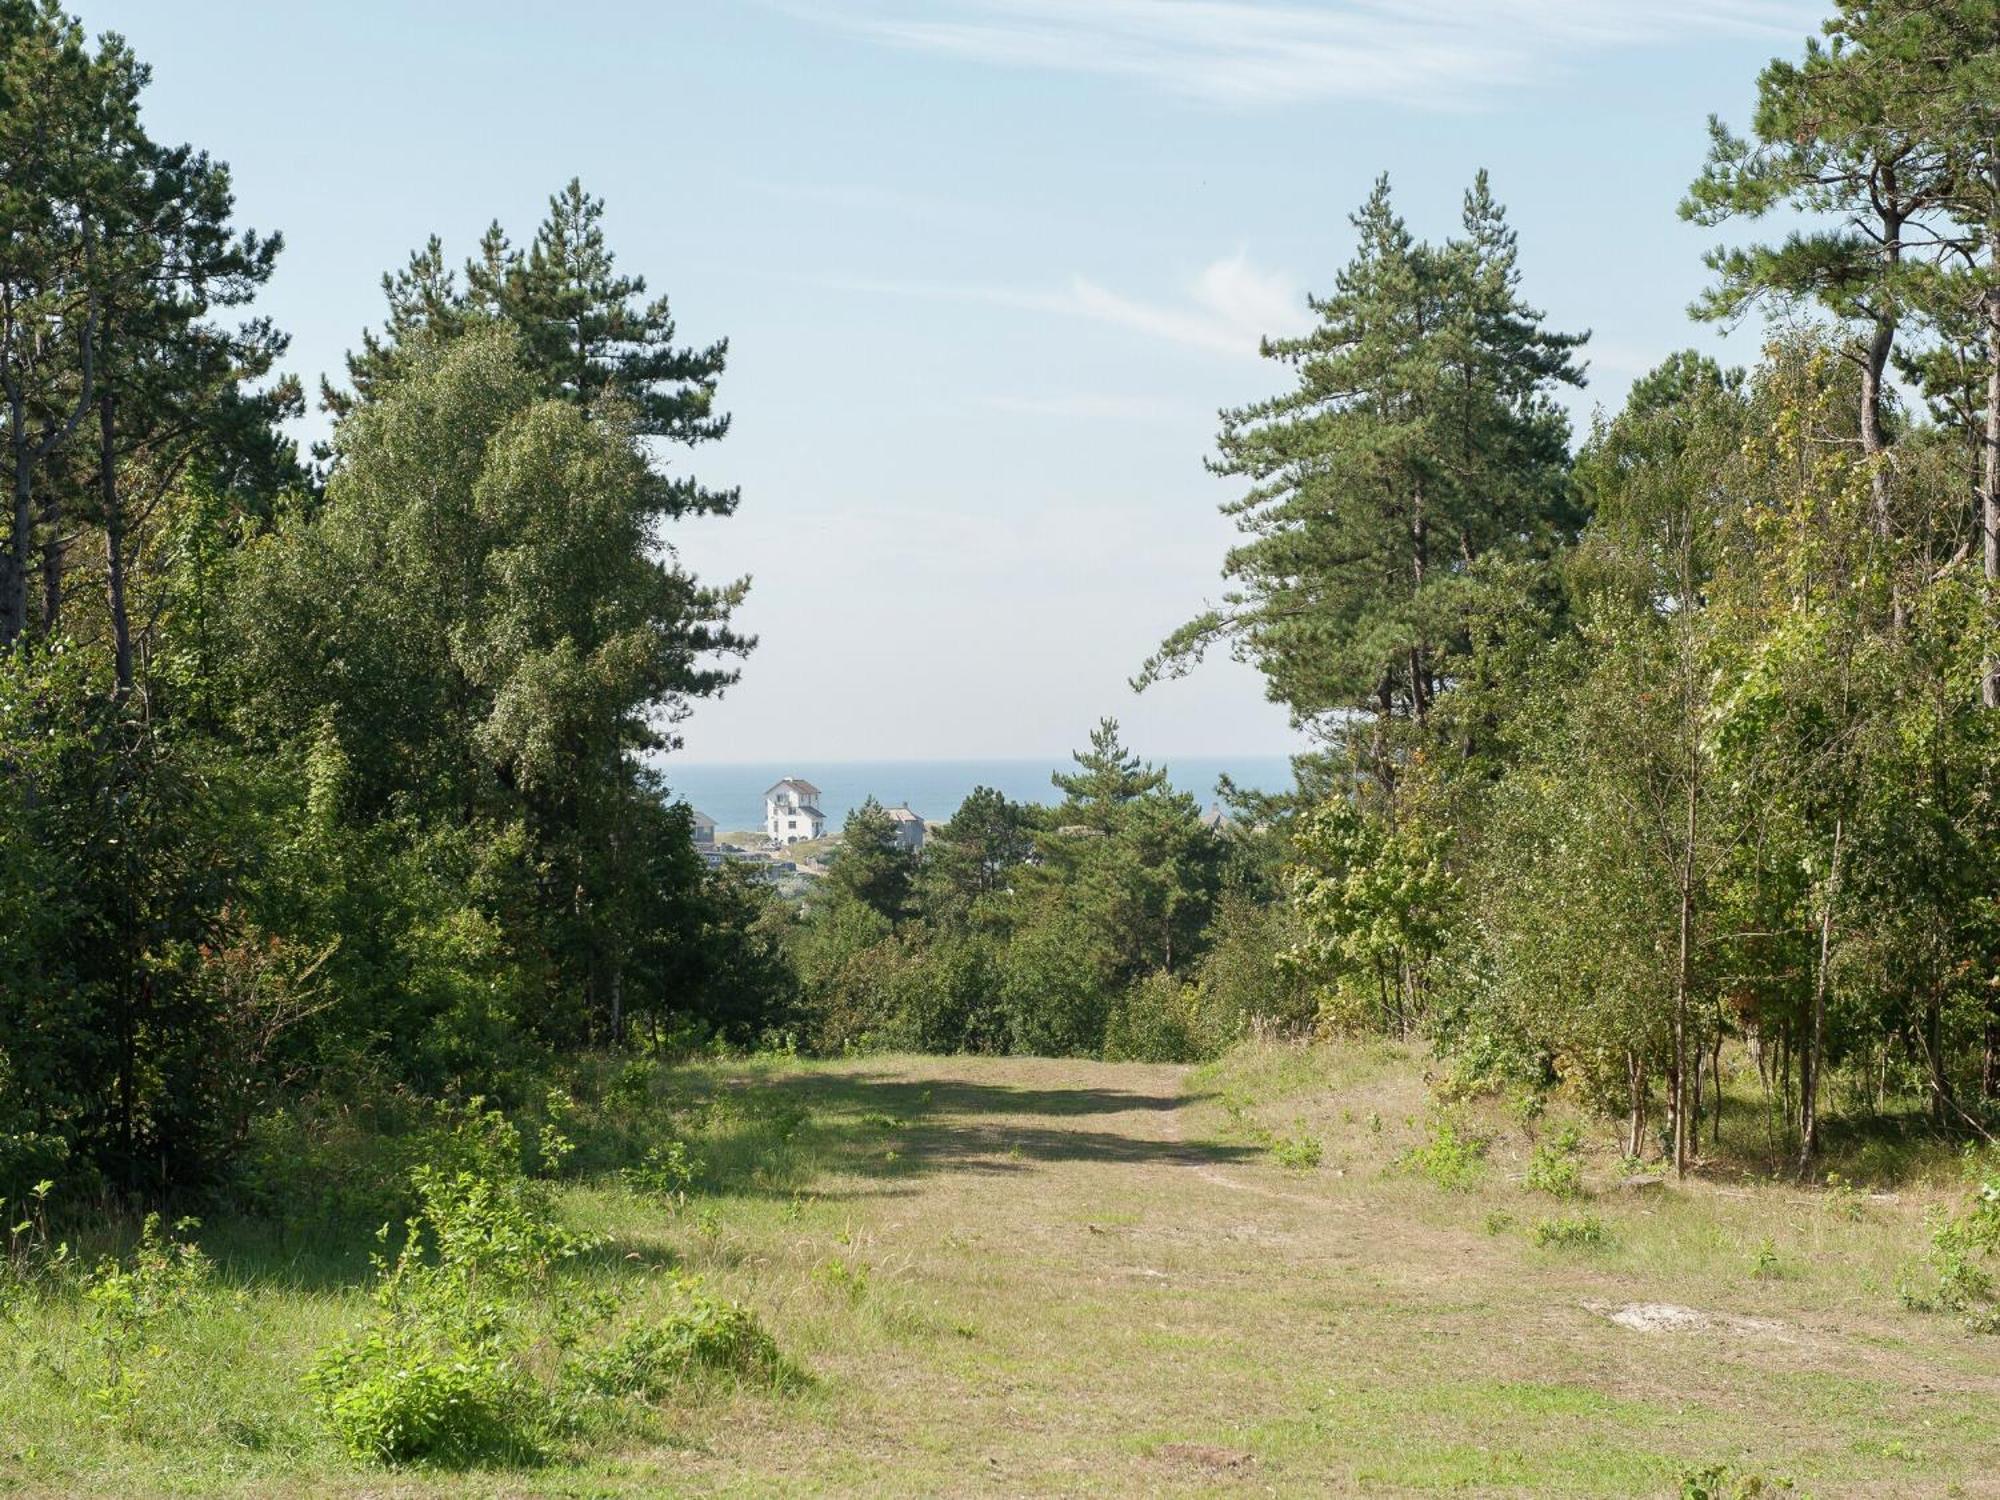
(1119, 921)
(330, 772)
(1692, 736)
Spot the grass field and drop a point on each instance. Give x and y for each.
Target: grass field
(1022, 1277)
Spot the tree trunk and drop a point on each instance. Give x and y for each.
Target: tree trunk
(1635, 1097)
(52, 561)
(20, 533)
(1989, 499)
(1683, 978)
(114, 547)
(1815, 1042)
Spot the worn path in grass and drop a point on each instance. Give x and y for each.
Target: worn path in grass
(1057, 1277)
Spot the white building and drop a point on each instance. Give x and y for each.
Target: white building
(791, 812)
(909, 829)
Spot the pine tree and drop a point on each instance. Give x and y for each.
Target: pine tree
(1107, 779)
(588, 334)
(872, 866)
(1418, 441)
(1832, 138)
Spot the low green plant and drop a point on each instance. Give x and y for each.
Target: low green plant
(1572, 1232)
(1959, 1277)
(441, 1373)
(1764, 1262)
(1451, 1158)
(842, 1279)
(1553, 1167)
(701, 1337)
(33, 1254)
(1499, 1221)
(668, 1172)
(1842, 1198)
(1299, 1152)
(164, 1276)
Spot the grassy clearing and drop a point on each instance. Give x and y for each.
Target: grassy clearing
(1018, 1276)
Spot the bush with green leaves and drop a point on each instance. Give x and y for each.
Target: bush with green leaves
(443, 1373)
(1299, 1152)
(1572, 1232)
(668, 1172)
(128, 1299)
(1450, 1157)
(1161, 1019)
(701, 1337)
(1964, 1246)
(1553, 1167)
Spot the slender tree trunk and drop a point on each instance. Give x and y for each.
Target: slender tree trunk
(1814, 1050)
(1989, 500)
(21, 522)
(1715, 1075)
(1635, 1098)
(1874, 367)
(52, 561)
(1420, 669)
(1683, 978)
(114, 546)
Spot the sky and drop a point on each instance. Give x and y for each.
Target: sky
(988, 268)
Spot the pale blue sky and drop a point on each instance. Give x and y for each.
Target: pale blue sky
(988, 268)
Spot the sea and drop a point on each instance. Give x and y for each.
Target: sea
(733, 795)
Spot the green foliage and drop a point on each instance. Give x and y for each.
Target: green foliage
(1964, 1246)
(441, 1374)
(1299, 1152)
(1418, 429)
(702, 1337)
(872, 866)
(1572, 1232)
(1764, 1261)
(164, 1278)
(1553, 1167)
(1450, 1157)
(1723, 1482)
(668, 1172)
(1162, 1019)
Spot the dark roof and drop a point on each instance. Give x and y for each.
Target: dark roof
(805, 786)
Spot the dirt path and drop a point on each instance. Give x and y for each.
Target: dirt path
(1069, 1285)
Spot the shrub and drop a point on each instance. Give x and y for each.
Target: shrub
(165, 1275)
(668, 1172)
(1720, 1482)
(1553, 1167)
(702, 1336)
(1452, 1159)
(440, 1374)
(1162, 1020)
(1299, 1152)
(409, 1393)
(1962, 1246)
(1764, 1262)
(1573, 1232)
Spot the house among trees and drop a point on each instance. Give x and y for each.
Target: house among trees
(791, 812)
(703, 827)
(909, 829)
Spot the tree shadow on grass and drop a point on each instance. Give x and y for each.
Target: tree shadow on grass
(878, 1124)
(782, 1136)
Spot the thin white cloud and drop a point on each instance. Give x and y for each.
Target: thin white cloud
(1227, 309)
(1436, 53)
(1102, 406)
